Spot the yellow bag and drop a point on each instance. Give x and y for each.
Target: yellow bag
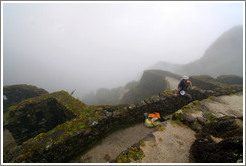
(149, 124)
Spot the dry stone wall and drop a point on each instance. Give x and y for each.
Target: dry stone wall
(34, 118)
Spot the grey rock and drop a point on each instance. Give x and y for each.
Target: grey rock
(188, 118)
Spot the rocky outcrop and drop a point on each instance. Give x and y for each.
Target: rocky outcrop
(152, 83)
(206, 150)
(219, 137)
(14, 94)
(225, 127)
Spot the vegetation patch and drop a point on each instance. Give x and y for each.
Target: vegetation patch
(123, 159)
(186, 108)
(167, 92)
(195, 108)
(133, 154)
(210, 117)
(196, 102)
(142, 143)
(177, 115)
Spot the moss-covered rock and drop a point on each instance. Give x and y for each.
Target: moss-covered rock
(177, 115)
(14, 94)
(229, 150)
(225, 127)
(133, 154)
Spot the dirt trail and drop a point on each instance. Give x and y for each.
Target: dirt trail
(170, 145)
(111, 146)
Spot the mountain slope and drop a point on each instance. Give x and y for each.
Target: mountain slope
(223, 57)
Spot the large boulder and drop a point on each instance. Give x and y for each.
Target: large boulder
(206, 149)
(225, 127)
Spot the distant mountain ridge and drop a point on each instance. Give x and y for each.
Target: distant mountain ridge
(223, 57)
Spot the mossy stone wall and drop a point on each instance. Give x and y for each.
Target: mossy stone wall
(17, 93)
(230, 79)
(204, 82)
(31, 119)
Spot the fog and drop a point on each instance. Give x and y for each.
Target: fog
(86, 46)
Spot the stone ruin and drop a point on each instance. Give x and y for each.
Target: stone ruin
(86, 125)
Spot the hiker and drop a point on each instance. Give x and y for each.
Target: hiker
(154, 119)
(184, 86)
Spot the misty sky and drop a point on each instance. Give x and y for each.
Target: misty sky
(85, 46)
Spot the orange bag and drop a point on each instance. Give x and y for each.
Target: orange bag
(154, 115)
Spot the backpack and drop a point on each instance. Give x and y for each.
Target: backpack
(154, 116)
(151, 119)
